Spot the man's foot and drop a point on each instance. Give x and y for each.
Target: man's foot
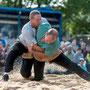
(5, 77)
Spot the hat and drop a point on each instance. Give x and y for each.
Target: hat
(81, 39)
(81, 59)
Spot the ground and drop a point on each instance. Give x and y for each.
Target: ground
(50, 82)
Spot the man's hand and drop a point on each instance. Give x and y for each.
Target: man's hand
(30, 47)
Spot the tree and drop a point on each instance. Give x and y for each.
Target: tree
(73, 10)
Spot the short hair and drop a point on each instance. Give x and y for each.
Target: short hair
(69, 46)
(79, 48)
(53, 32)
(33, 13)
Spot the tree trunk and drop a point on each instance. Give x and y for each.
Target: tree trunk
(20, 3)
(15, 3)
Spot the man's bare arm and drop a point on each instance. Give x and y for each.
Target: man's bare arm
(38, 48)
(40, 54)
(34, 47)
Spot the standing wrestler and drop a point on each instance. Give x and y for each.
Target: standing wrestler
(19, 47)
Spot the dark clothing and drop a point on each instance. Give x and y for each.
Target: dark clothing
(68, 64)
(18, 49)
(85, 54)
(27, 66)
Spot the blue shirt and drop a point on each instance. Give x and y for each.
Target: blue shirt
(3, 42)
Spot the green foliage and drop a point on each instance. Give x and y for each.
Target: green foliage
(76, 16)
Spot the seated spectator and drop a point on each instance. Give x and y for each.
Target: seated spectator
(64, 43)
(80, 42)
(1, 46)
(2, 58)
(74, 42)
(86, 50)
(69, 53)
(7, 48)
(83, 47)
(88, 59)
(74, 48)
(2, 55)
(78, 55)
(88, 55)
(3, 41)
(82, 64)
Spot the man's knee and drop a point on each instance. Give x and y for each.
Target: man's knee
(25, 74)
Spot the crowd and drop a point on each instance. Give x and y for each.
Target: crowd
(4, 49)
(78, 53)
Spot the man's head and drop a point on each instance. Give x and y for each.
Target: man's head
(35, 18)
(81, 61)
(51, 36)
(81, 41)
(88, 48)
(69, 49)
(64, 39)
(79, 50)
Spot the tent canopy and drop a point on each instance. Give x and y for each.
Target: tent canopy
(17, 17)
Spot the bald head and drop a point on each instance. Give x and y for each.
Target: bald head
(51, 36)
(53, 32)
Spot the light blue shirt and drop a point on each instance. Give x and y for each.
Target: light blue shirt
(28, 33)
(77, 57)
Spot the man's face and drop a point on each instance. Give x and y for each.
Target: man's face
(79, 51)
(35, 21)
(81, 62)
(64, 39)
(88, 48)
(49, 39)
(69, 50)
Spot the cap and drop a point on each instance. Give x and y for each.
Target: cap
(81, 59)
(81, 39)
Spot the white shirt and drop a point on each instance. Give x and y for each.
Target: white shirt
(28, 33)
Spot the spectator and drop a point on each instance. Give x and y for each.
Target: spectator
(74, 42)
(7, 48)
(88, 54)
(2, 58)
(78, 55)
(1, 46)
(3, 41)
(64, 43)
(69, 53)
(80, 42)
(74, 48)
(82, 64)
(88, 58)
(83, 47)
(86, 50)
